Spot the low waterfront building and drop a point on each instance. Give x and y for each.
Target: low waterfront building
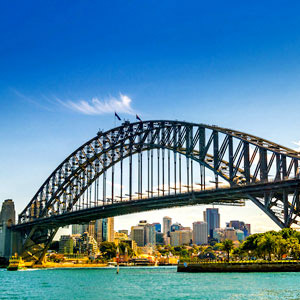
(218, 234)
(125, 231)
(240, 235)
(131, 244)
(230, 234)
(119, 237)
(88, 245)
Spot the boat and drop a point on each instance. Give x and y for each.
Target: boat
(16, 263)
(111, 264)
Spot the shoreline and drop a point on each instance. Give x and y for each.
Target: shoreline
(89, 266)
(239, 266)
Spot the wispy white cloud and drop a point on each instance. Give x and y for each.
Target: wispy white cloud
(298, 146)
(97, 106)
(32, 101)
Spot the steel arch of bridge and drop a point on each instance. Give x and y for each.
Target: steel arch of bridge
(244, 161)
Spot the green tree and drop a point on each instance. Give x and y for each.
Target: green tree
(267, 244)
(280, 246)
(108, 250)
(227, 246)
(239, 252)
(293, 247)
(123, 246)
(184, 253)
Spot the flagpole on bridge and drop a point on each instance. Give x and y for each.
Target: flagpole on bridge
(116, 117)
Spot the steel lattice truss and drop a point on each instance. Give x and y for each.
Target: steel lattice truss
(253, 168)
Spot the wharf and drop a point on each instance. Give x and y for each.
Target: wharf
(240, 266)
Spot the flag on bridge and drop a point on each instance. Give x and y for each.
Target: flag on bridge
(138, 118)
(117, 116)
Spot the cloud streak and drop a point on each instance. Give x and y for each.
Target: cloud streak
(99, 107)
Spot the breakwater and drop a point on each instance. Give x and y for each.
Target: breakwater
(239, 266)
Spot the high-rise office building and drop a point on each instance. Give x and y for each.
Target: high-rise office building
(79, 228)
(167, 221)
(150, 234)
(138, 235)
(180, 237)
(175, 238)
(107, 230)
(157, 227)
(91, 228)
(101, 230)
(240, 225)
(212, 218)
(160, 238)
(200, 233)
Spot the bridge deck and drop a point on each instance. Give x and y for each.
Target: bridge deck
(232, 195)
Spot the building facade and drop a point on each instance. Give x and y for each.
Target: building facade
(138, 235)
(167, 222)
(200, 233)
(66, 244)
(212, 218)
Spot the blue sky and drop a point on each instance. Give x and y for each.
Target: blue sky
(233, 64)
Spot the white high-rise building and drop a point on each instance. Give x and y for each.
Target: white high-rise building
(200, 233)
(167, 222)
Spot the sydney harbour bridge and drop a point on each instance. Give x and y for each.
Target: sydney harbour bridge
(151, 165)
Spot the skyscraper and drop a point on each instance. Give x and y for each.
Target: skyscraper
(108, 229)
(138, 235)
(157, 227)
(199, 233)
(79, 228)
(91, 228)
(150, 236)
(167, 221)
(212, 218)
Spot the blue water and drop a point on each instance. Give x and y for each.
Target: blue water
(146, 283)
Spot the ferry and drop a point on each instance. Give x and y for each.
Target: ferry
(16, 263)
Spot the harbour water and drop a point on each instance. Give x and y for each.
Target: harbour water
(146, 283)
